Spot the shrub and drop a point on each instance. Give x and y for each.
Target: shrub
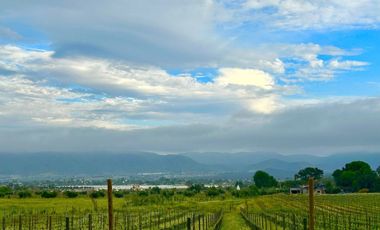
(71, 194)
(5, 191)
(49, 194)
(143, 193)
(168, 193)
(97, 194)
(155, 190)
(24, 194)
(118, 194)
(188, 193)
(213, 191)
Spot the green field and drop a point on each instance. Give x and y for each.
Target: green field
(349, 211)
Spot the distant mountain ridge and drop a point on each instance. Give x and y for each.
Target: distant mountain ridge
(225, 165)
(282, 166)
(96, 164)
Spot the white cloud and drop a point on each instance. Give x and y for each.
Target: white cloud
(265, 105)
(246, 77)
(320, 15)
(346, 65)
(98, 93)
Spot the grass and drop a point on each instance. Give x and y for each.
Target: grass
(233, 220)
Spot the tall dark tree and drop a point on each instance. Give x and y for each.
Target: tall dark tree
(378, 170)
(264, 180)
(305, 173)
(355, 176)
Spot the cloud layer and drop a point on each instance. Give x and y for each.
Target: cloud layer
(86, 76)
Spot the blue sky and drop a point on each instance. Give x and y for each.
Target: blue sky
(229, 76)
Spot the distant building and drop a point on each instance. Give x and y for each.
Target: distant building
(318, 189)
(295, 191)
(238, 187)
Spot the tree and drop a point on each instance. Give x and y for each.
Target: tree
(264, 180)
(155, 190)
(378, 170)
(49, 194)
(355, 176)
(97, 194)
(70, 194)
(5, 191)
(24, 194)
(305, 173)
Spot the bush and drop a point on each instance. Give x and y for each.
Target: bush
(363, 190)
(49, 194)
(196, 188)
(24, 194)
(118, 194)
(168, 193)
(71, 194)
(143, 193)
(5, 191)
(252, 190)
(155, 190)
(188, 193)
(213, 191)
(97, 194)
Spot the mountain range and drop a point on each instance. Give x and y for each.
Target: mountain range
(242, 164)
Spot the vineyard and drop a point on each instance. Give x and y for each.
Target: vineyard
(271, 212)
(159, 219)
(350, 211)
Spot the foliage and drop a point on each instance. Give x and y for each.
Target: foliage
(5, 191)
(48, 194)
(70, 194)
(168, 193)
(355, 176)
(118, 194)
(249, 191)
(24, 194)
(97, 194)
(196, 188)
(264, 180)
(305, 173)
(155, 190)
(214, 191)
(331, 188)
(143, 193)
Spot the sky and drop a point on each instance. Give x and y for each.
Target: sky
(287, 76)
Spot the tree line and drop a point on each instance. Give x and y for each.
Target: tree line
(356, 176)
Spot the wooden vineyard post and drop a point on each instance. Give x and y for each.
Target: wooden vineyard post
(311, 204)
(20, 222)
(304, 224)
(50, 223)
(188, 224)
(89, 222)
(67, 223)
(110, 205)
(193, 221)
